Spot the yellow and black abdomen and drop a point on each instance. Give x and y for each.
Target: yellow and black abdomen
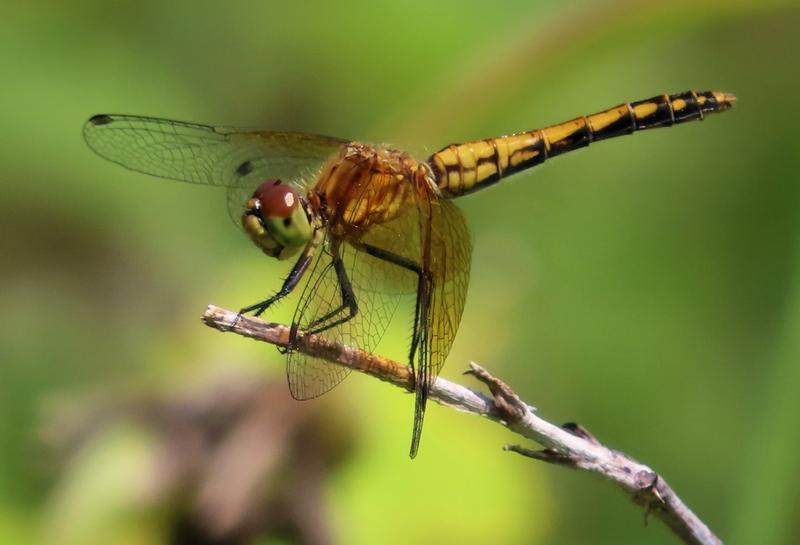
(460, 169)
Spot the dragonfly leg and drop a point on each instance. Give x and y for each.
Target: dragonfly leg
(348, 303)
(288, 286)
(414, 267)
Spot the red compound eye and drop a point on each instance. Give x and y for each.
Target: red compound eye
(278, 200)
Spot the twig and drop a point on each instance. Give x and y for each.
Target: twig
(569, 445)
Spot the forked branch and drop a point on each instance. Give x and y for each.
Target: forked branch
(569, 445)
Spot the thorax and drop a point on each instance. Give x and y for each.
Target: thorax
(366, 185)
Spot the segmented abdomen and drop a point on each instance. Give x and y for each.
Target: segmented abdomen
(462, 168)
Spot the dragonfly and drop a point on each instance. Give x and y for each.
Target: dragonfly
(366, 225)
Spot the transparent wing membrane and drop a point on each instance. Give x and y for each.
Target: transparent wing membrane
(238, 159)
(446, 253)
(428, 241)
(323, 308)
(203, 154)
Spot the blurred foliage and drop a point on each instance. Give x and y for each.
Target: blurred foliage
(646, 287)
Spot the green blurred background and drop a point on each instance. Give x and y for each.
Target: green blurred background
(646, 287)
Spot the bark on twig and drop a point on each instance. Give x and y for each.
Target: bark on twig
(570, 445)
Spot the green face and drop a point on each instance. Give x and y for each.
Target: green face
(276, 220)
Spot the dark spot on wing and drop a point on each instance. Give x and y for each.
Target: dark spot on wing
(101, 119)
(245, 168)
(287, 221)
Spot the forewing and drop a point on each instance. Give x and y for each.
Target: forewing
(238, 159)
(204, 154)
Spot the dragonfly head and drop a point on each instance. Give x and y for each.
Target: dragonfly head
(276, 220)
